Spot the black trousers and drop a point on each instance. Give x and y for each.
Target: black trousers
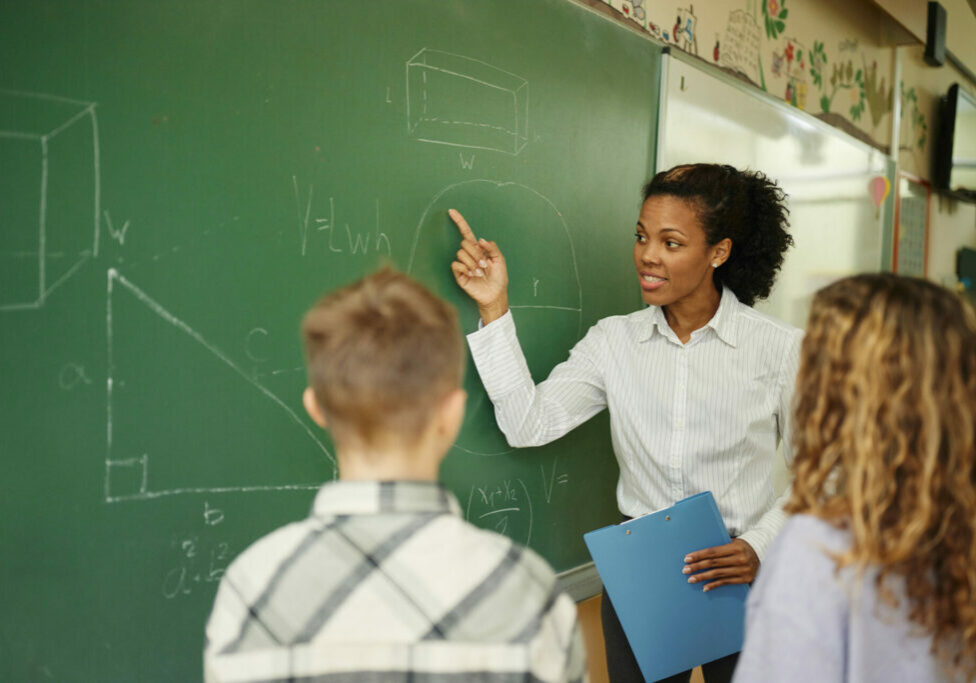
(622, 666)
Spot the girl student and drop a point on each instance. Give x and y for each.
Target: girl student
(698, 384)
(874, 577)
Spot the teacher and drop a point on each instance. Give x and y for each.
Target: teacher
(698, 384)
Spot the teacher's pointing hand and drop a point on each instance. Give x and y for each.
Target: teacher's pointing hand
(479, 269)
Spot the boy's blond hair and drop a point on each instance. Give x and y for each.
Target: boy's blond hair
(381, 353)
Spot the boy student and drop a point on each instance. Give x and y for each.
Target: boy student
(385, 581)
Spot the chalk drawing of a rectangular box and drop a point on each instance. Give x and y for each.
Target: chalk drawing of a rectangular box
(459, 101)
(49, 194)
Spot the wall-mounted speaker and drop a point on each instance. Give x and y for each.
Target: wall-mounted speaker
(935, 35)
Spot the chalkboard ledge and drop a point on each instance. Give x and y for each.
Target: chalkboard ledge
(580, 582)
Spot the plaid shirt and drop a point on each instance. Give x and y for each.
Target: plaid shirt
(387, 582)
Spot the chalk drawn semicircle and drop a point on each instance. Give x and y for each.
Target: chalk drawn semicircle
(499, 184)
(577, 308)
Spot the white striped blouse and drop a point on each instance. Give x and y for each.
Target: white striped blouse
(684, 418)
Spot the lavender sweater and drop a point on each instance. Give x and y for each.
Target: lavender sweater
(806, 623)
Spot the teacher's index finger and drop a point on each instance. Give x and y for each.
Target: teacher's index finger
(465, 229)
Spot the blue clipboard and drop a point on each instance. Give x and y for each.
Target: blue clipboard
(672, 625)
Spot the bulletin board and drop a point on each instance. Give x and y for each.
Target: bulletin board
(911, 237)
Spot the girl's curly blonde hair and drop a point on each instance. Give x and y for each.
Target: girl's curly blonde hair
(885, 444)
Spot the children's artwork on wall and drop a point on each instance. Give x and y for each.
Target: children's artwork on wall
(844, 84)
(845, 77)
(774, 13)
(796, 92)
(655, 31)
(683, 32)
(639, 14)
(628, 9)
(913, 118)
(879, 187)
(740, 48)
(795, 53)
(632, 9)
(878, 99)
(914, 130)
(792, 63)
(818, 60)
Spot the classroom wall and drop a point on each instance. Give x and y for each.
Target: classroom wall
(836, 60)
(952, 223)
(822, 56)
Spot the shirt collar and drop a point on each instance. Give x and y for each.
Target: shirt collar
(724, 320)
(723, 323)
(379, 497)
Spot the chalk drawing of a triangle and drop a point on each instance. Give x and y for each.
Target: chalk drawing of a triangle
(183, 418)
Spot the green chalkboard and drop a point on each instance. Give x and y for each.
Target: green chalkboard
(180, 181)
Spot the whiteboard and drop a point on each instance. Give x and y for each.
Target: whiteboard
(707, 116)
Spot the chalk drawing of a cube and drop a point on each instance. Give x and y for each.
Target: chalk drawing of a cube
(462, 102)
(49, 194)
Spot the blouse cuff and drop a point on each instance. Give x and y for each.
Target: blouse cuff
(498, 357)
